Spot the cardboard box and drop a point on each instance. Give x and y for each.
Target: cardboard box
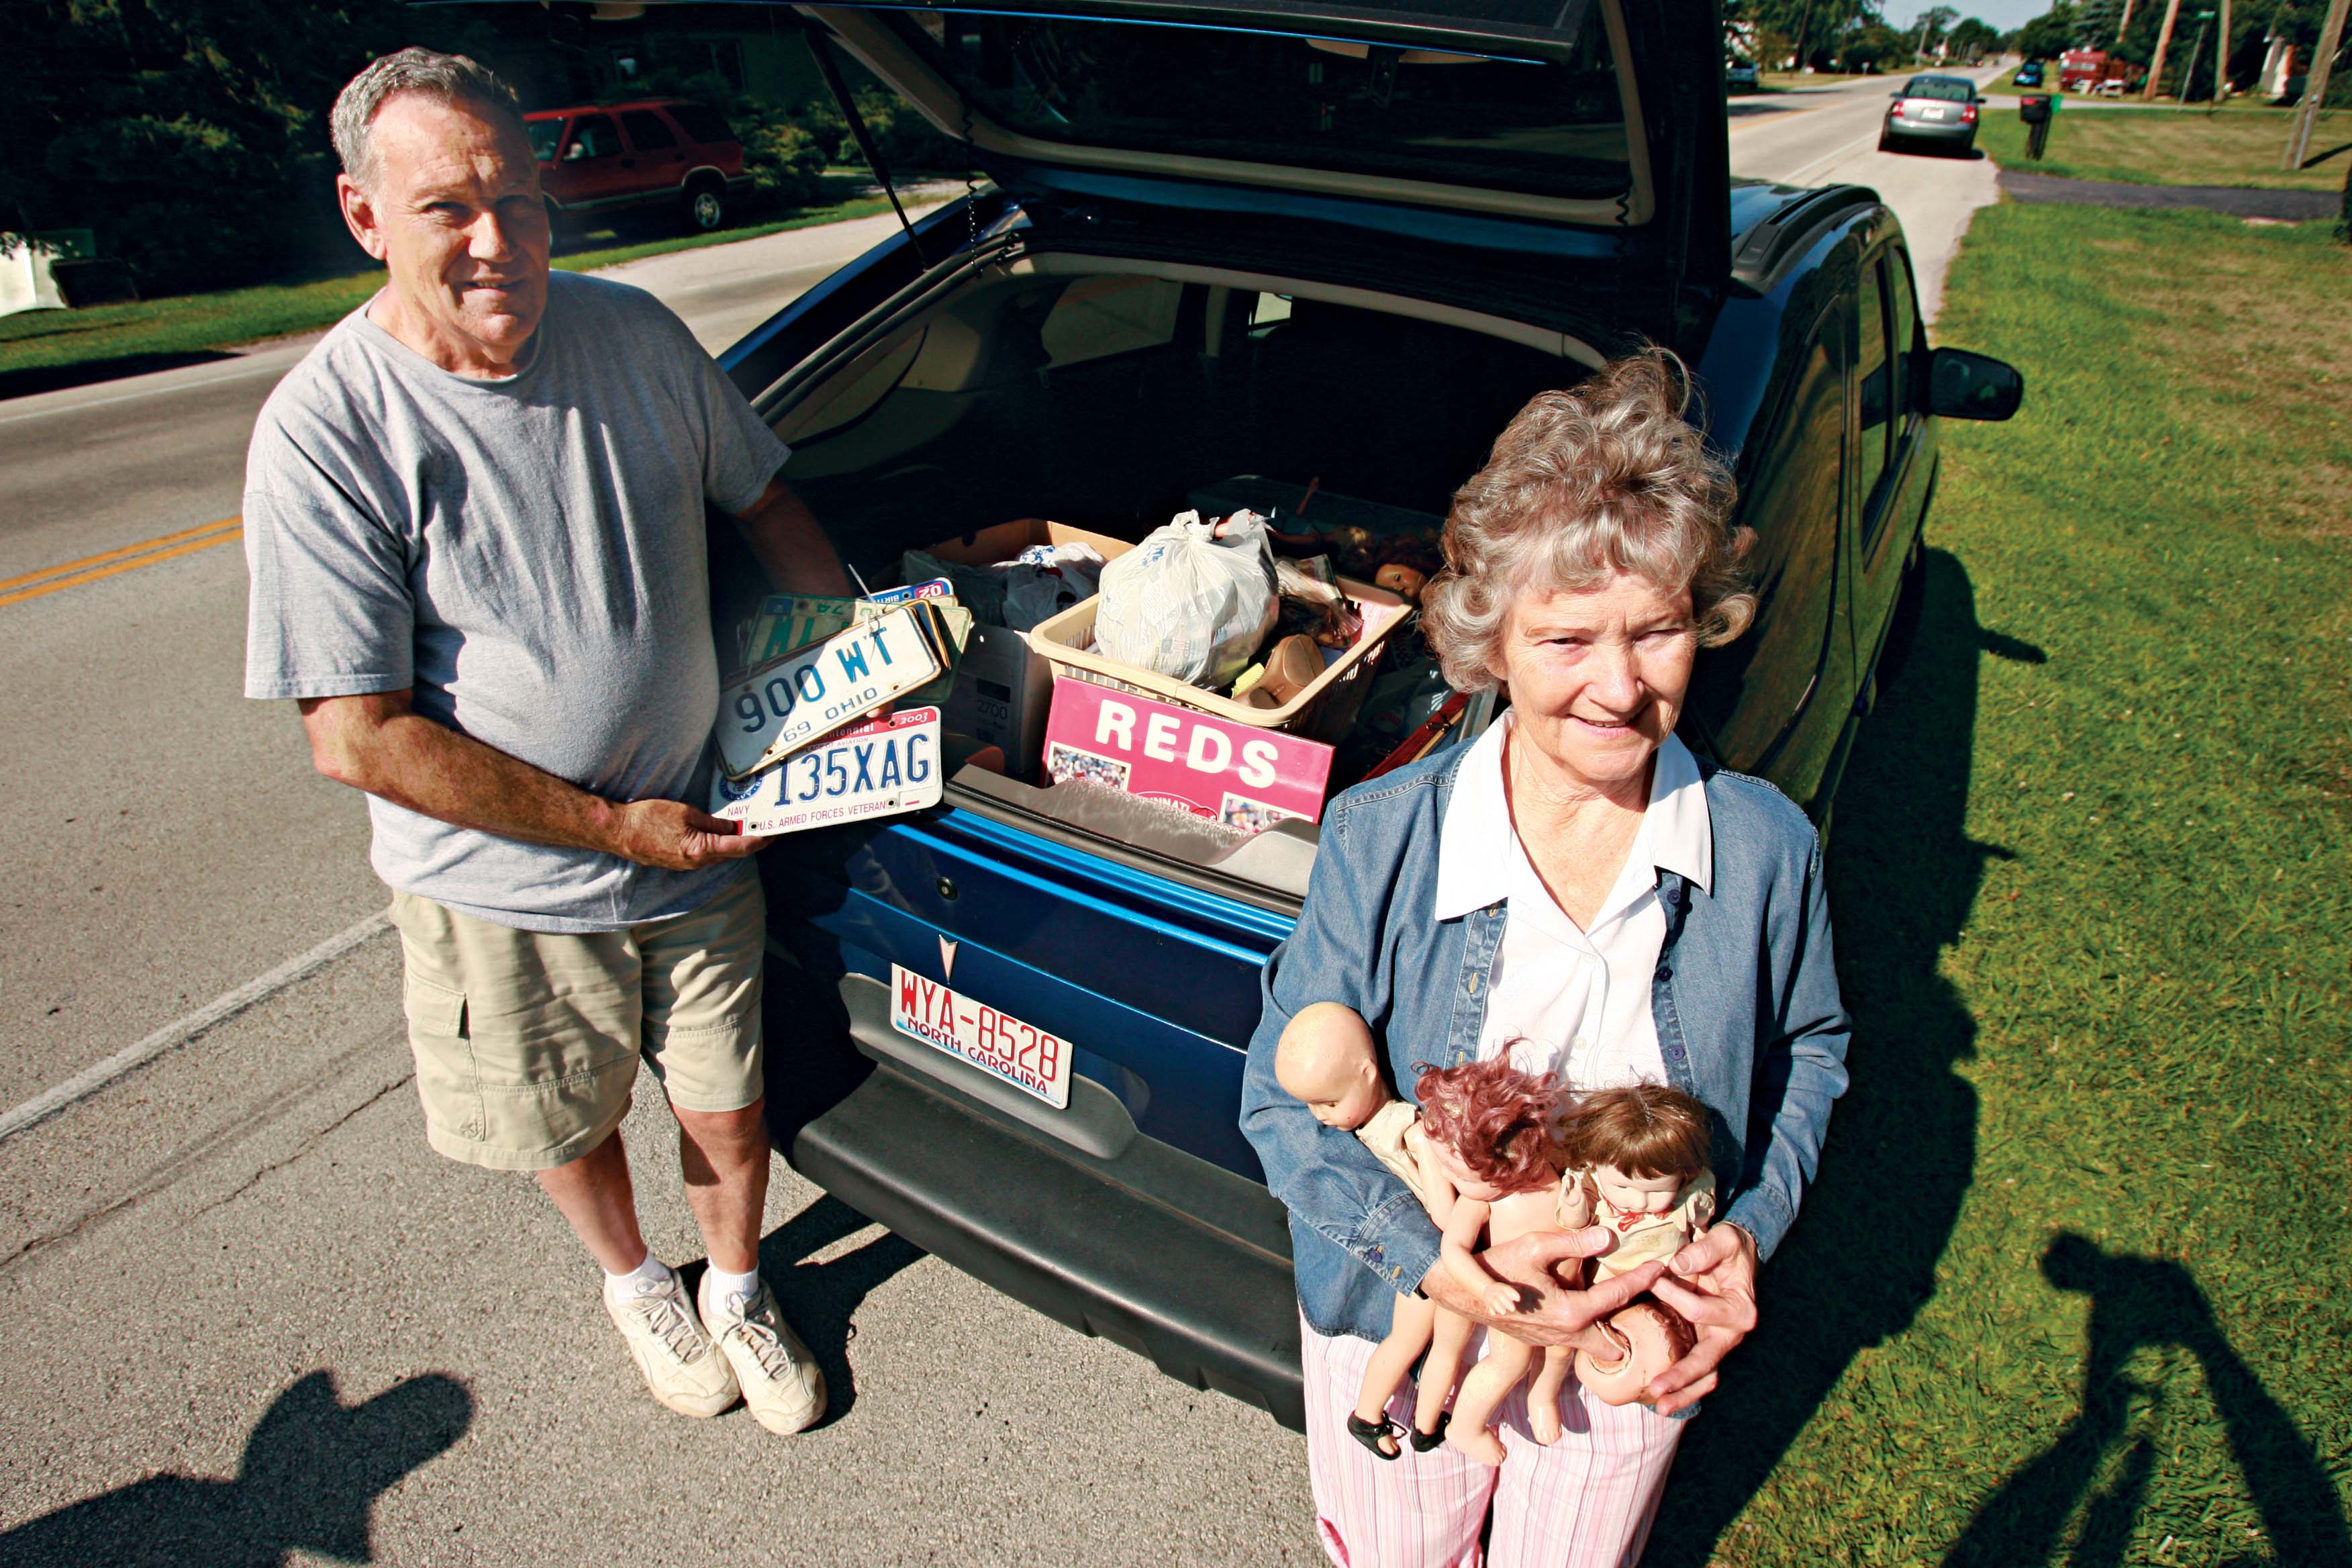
(1240, 775)
(1003, 690)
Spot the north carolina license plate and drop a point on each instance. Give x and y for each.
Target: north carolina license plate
(877, 769)
(1022, 1055)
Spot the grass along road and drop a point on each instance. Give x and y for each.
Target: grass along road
(2071, 1284)
(2237, 146)
(198, 323)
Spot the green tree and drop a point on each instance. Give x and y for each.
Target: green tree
(1973, 40)
(1929, 29)
(2052, 33)
(189, 134)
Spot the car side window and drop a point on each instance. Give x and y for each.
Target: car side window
(1873, 378)
(700, 123)
(647, 134)
(1747, 693)
(1903, 309)
(592, 136)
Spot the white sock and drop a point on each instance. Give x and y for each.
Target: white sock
(645, 1277)
(720, 1290)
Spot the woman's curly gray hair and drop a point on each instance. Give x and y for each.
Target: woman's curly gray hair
(1606, 477)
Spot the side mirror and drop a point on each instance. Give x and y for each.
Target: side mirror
(1964, 385)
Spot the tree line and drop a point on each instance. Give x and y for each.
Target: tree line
(191, 135)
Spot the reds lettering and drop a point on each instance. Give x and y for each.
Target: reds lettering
(1208, 749)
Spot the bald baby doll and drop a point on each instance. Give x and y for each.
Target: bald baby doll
(1325, 1059)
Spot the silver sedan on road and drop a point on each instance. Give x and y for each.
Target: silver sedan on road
(1941, 110)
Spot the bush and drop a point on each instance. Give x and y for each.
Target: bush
(906, 140)
(786, 163)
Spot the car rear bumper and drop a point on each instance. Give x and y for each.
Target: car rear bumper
(1960, 134)
(1151, 1248)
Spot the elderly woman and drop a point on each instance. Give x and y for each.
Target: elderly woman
(1575, 889)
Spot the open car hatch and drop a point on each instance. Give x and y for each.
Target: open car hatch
(1592, 129)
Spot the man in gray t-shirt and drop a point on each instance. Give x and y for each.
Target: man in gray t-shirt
(475, 522)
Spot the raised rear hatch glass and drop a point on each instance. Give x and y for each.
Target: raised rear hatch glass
(1553, 125)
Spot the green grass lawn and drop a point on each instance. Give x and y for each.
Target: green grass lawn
(195, 323)
(1780, 81)
(2239, 145)
(2072, 1286)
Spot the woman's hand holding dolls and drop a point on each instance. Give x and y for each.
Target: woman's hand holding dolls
(1712, 1283)
(1550, 1313)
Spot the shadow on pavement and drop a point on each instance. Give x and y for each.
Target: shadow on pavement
(1901, 1145)
(2137, 1302)
(58, 377)
(312, 1470)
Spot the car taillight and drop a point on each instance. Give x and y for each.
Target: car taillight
(1969, 114)
(1894, 109)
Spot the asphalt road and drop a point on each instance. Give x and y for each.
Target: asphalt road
(251, 1313)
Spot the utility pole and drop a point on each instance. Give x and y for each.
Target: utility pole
(2314, 88)
(1804, 26)
(2221, 61)
(2163, 42)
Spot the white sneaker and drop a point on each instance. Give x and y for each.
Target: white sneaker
(681, 1365)
(782, 1386)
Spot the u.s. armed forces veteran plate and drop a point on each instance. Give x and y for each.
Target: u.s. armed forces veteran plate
(884, 767)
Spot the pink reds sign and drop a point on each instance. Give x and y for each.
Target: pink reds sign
(1234, 773)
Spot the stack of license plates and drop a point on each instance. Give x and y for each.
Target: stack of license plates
(800, 743)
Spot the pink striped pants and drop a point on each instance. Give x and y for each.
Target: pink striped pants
(1585, 1502)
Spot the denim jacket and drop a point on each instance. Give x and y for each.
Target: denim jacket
(1745, 996)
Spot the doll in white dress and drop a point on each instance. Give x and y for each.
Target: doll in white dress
(1635, 1162)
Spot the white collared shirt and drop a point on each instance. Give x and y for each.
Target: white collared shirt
(1578, 1001)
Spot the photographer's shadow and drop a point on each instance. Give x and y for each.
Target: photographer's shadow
(1861, 1262)
(309, 1480)
(2135, 1303)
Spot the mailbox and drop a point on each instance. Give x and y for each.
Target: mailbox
(2033, 108)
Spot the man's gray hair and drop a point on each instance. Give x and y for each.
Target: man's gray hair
(452, 79)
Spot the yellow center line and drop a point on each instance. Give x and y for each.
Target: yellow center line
(106, 563)
(103, 556)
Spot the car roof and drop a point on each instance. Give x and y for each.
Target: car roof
(1931, 76)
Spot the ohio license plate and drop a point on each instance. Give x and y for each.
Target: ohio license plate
(782, 705)
(876, 769)
(1022, 1055)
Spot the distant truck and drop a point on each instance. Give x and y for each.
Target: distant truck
(2089, 70)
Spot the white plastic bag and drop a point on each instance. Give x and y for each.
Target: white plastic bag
(1047, 579)
(1188, 605)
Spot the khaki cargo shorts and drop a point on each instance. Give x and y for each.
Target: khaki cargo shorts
(528, 1042)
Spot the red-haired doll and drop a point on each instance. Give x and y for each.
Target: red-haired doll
(1491, 1128)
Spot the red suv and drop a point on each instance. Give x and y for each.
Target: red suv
(602, 159)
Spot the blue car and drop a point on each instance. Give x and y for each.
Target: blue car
(1247, 254)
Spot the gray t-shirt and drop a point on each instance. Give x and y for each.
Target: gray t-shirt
(529, 556)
